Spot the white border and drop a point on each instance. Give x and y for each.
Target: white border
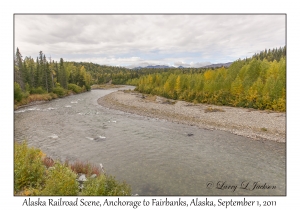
(8, 8)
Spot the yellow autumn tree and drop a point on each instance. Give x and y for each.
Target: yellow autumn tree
(237, 90)
(167, 88)
(178, 85)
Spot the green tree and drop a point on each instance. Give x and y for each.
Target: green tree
(18, 70)
(63, 80)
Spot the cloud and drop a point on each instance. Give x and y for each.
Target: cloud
(117, 39)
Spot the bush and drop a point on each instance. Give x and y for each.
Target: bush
(48, 162)
(53, 95)
(74, 88)
(59, 91)
(38, 90)
(60, 181)
(84, 168)
(30, 192)
(88, 87)
(105, 185)
(36, 174)
(28, 168)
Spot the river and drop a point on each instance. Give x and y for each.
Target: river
(154, 156)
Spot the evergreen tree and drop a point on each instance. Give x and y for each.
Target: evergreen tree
(63, 74)
(57, 73)
(18, 70)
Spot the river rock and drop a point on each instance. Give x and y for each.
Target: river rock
(93, 176)
(82, 178)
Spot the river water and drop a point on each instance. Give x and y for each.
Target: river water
(154, 156)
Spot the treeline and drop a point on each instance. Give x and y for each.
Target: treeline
(46, 76)
(253, 83)
(271, 55)
(256, 82)
(102, 74)
(42, 76)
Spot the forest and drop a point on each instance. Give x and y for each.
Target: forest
(41, 79)
(258, 82)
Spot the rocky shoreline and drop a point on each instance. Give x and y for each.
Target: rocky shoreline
(255, 124)
(33, 103)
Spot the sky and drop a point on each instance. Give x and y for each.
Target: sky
(191, 40)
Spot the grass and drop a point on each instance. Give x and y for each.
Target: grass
(105, 86)
(151, 98)
(264, 129)
(169, 102)
(128, 91)
(43, 97)
(35, 97)
(83, 167)
(210, 109)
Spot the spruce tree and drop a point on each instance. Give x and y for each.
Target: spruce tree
(63, 74)
(18, 70)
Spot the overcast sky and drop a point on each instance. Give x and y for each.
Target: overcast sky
(140, 40)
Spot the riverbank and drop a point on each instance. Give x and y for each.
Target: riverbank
(106, 86)
(255, 124)
(36, 99)
(36, 174)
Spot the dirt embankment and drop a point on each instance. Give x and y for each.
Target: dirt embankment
(255, 124)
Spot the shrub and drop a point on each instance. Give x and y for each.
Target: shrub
(74, 88)
(53, 95)
(39, 97)
(84, 168)
(88, 87)
(38, 90)
(37, 174)
(30, 192)
(48, 162)
(84, 88)
(105, 185)
(60, 181)
(59, 91)
(28, 168)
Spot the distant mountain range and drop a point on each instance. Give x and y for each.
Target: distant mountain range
(218, 65)
(164, 66)
(154, 67)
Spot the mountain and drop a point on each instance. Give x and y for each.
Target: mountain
(153, 67)
(165, 67)
(157, 67)
(218, 65)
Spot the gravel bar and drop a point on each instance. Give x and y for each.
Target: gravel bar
(251, 123)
